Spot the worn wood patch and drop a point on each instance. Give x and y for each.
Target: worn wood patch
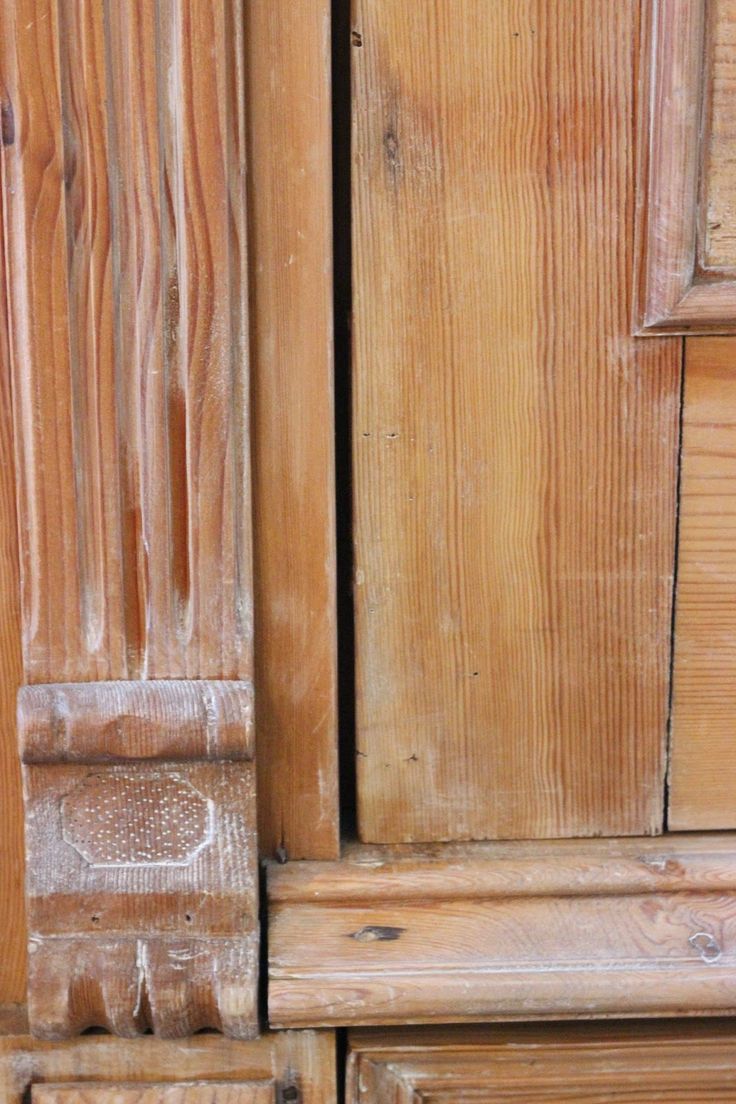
(243, 1093)
(141, 873)
(615, 927)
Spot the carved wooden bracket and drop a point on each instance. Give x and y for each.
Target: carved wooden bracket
(141, 857)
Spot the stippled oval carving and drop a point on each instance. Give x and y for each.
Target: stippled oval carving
(116, 819)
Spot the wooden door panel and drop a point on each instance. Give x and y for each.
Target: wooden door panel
(514, 445)
(634, 1063)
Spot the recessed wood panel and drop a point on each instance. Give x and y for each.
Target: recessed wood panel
(687, 186)
(703, 753)
(515, 447)
(625, 1063)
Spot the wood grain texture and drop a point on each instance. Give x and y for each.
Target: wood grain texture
(262, 1093)
(622, 1063)
(290, 248)
(718, 185)
(12, 911)
(687, 183)
(303, 1061)
(514, 447)
(703, 753)
(125, 252)
(627, 927)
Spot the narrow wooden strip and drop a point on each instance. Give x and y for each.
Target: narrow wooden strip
(290, 247)
(661, 941)
(703, 756)
(175, 719)
(616, 867)
(12, 909)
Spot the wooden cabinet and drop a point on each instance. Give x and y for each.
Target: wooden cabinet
(387, 347)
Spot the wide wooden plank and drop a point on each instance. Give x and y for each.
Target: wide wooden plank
(300, 1066)
(703, 753)
(290, 248)
(626, 927)
(631, 1063)
(125, 252)
(12, 911)
(515, 447)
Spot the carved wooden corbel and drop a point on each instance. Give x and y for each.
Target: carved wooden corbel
(142, 863)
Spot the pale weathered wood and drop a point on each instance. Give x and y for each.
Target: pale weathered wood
(125, 251)
(687, 185)
(691, 1063)
(703, 753)
(290, 248)
(303, 1061)
(514, 447)
(12, 912)
(253, 1093)
(141, 871)
(623, 928)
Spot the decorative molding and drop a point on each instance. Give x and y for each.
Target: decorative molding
(496, 932)
(141, 857)
(685, 1061)
(679, 291)
(298, 1068)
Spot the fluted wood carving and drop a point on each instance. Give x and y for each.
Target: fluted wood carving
(123, 199)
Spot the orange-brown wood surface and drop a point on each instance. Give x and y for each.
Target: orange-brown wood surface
(290, 247)
(300, 1067)
(253, 1093)
(633, 1063)
(12, 912)
(703, 752)
(515, 447)
(125, 252)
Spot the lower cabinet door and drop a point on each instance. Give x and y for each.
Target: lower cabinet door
(616, 1063)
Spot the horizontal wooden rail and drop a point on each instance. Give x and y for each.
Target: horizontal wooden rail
(505, 931)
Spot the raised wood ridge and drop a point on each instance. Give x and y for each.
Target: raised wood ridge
(175, 719)
(613, 927)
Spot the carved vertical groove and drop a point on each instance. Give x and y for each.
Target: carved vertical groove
(127, 252)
